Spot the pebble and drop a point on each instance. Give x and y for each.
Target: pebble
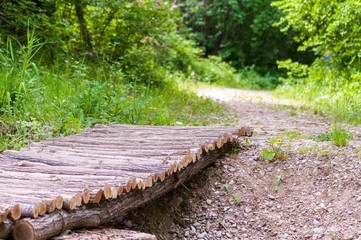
(209, 201)
(247, 209)
(271, 197)
(316, 223)
(128, 223)
(186, 234)
(202, 235)
(319, 230)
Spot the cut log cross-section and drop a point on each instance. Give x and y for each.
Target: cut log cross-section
(112, 167)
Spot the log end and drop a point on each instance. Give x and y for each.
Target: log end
(15, 212)
(86, 196)
(23, 230)
(42, 208)
(70, 203)
(96, 197)
(50, 206)
(107, 192)
(128, 186)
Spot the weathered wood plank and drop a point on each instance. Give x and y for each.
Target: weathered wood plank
(93, 216)
(103, 163)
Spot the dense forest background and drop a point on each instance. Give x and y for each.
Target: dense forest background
(66, 64)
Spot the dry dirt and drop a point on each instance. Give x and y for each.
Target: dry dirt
(315, 193)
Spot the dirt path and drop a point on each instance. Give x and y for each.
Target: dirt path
(319, 195)
(314, 194)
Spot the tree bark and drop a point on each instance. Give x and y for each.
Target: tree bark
(79, 9)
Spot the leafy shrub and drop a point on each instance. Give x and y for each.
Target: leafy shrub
(330, 29)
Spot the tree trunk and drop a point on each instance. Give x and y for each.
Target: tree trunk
(79, 9)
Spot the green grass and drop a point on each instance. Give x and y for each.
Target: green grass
(39, 101)
(338, 136)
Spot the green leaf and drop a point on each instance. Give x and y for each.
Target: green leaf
(278, 182)
(268, 155)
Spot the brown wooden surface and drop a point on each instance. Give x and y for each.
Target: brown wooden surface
(104, 162)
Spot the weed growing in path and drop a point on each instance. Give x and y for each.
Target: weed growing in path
(338, 136)
(275, 150)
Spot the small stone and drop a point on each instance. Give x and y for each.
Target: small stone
(319, 230)
(186, 234)
(119, 219)
(271, 197)
(128, 223)
(247, 209)
(197, 224)
(316, 223)
(228, 235)
(231, 182)
(209, 201)
(202, 235)
(219, 234)
(348, 236)
(208, 225)
(193, 229)
(358, 198)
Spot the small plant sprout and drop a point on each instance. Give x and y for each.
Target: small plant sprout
(274, 151)
(237, 198)
(278, 182)
(226, 187)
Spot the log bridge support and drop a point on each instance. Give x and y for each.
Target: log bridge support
(88, 179)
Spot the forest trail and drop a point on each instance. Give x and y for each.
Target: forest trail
(315, 193)
(319, 192)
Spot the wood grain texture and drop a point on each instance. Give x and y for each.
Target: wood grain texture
(102, 164)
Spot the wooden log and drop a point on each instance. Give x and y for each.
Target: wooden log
(107, 191)
(71, 202)
(96, 196)
(50, 206)
(4, 212)
(120, 190)
(114, 191)
(28, 210)
(162, 176)
(42, 208)
(128, 186)
(6, 228)
(85, 196)
(15, 212)
(54, 223)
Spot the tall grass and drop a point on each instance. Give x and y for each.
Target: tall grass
(38, 101)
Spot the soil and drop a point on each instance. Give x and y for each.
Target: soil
(314, 193)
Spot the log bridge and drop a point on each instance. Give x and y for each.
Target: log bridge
(88, 179)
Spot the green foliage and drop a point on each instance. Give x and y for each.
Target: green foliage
(184, 56)
(339, 136)
(41, 101)
(248, 78)
(241, 32)
(278, 182)
(331, 30)
(274, 151)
